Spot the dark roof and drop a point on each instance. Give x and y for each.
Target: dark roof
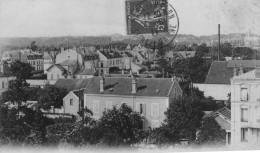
(111, 54)
(79, 93)
(72, 84)
(220, 72)
(64, 71)
(123, 86)
(245, 63)
(87, 72)
(128, 54)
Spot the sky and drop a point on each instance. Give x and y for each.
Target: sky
(48, 18)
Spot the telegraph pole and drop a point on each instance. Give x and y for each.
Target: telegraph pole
(218, 40)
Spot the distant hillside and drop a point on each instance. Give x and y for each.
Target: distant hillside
(7, 43)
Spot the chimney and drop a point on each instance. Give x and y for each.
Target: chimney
(134, 85)
(235, 72)
(241, 69)
(102, 82)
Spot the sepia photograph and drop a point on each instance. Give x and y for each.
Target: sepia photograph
(129, 76)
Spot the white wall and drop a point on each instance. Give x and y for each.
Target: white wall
(217, 91)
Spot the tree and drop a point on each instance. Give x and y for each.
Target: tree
(211, 132)
(33, 46)
(123, 123)
(183, 118)
(191, 69)
(51, 96)
(21, 70)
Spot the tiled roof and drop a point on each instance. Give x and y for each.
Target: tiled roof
(72, 84)
(64, 71)
(47, 56)
(219, 73)
(223, 117)
(68, 62)
(223, 123)
(245, 63)
(123, 86)
(111, 54)
(87, 72)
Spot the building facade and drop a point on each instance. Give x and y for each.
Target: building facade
(150, 97)
(245, 108)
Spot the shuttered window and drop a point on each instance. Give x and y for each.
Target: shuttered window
(155, 110)
(95, 106)
(142, 109)
(244, 94)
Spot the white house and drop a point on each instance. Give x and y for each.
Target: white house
(245, 108)
(56, 71)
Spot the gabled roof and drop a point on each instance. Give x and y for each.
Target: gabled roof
(47, 56)
(72, 84)
(223, 117)
(64, 71)
(123, 86)
(219, 73)
(186, 54)
(128, 47)
(68, 62)
(254, 74)
(111, 54)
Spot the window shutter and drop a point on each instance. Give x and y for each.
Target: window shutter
(137, 108)
(155, 110)
(144, 109)
(95, 107)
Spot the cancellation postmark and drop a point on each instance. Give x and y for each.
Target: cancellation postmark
(155, 20)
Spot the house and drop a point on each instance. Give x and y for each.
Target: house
(217, 83)
(56, 71)
(176, 55)
(136, 68)
(127, 60)
(27, 56)
(69, 55)
(245, 108)
(47, 61)
(4, 82)
(223, 118)
(109, 59)
(148, 96)
(73, 101)
(143, 54)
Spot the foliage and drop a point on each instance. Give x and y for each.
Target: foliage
(21, 70)
(123, 121)
(51, 96)
(211, 132)
(192, 69)
(183, 118)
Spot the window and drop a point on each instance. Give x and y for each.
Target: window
(244, 114)
(3, 85)
(58, 76)
(95, 106)
(175, 92)
(108, 105)
(71, 101)
(155, 110)
(142, 109)
(154, 124)
(244, 134)
(244, 94)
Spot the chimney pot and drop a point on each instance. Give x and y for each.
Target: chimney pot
(102, 82)
(134, 85)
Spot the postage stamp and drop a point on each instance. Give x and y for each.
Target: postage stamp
(152, 17)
